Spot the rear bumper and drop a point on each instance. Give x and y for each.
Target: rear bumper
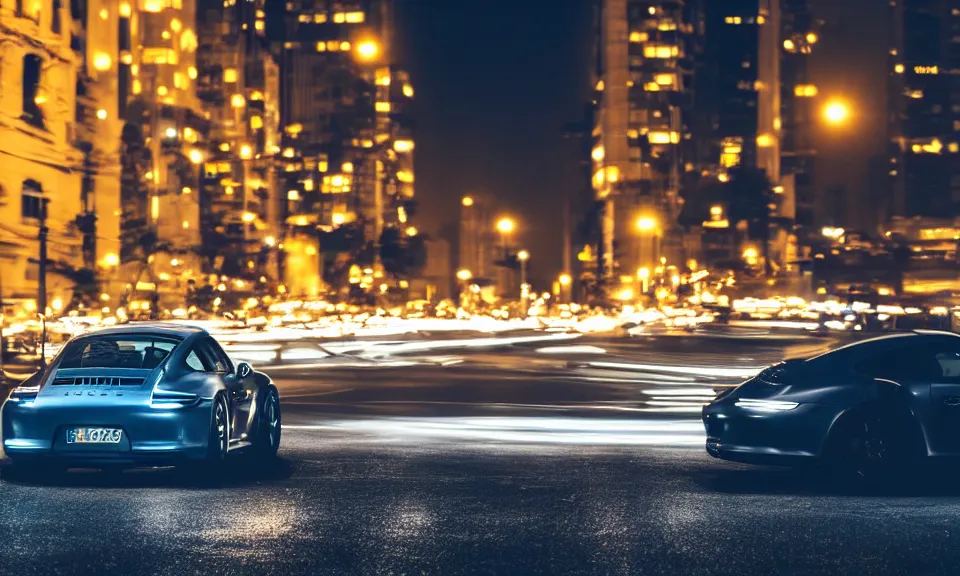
(150, 436)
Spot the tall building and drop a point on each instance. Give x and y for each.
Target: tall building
(741, 83)
(642, 136)
(479, 246)
(797, 101)
(57, 149)
(157, 82)
(924, 115)
(347, 146)
(238, 84)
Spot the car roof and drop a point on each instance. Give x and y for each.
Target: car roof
(891, 341)
(160, 328)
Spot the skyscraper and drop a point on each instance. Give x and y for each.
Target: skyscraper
(924, 115)
(347, 146)
(238, 84)
(641, 131)
(797, 98)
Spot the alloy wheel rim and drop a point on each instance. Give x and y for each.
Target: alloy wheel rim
(273, 417)
(221, 423)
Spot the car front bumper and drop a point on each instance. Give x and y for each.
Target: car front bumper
(151, 436)
(782, 438)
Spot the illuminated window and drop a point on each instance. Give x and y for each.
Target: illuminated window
(230, 75)
(805, 90)
(765, 140)
(347, 167)
(637, 37)
(926, 69)
(354, 17)
(162, 90)
(318, 18)
(666, 26)
(916, 94)
(304, 18)
(179, 81)
(382, 107)
(339, 18)
(192, 73)
(663, 137)
(321, 46)
(661, 51)
(345, 46)
(256, 122)
(733, 20)
(408, 90)
(293, 195)
(668, 79)
(137, 87)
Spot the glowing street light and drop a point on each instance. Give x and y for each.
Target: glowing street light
(505, 225)
(467, 201)
(464, 275)
(836, 113)
(523, 255)
(367, 50)
(412, 231)
(646, 224)
(565, 279)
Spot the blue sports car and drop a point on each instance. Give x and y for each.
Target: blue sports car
(141, 395)
(866, 410)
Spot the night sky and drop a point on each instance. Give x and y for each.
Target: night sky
(496, 80)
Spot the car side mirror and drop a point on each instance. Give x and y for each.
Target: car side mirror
(244, 370)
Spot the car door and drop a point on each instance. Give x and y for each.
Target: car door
(945, 397)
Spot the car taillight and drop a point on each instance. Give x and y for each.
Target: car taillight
(166, 400)
(24, 394)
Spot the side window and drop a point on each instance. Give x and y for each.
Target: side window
(907, 363)
(193, 362)
(949, 361)
(213, 356)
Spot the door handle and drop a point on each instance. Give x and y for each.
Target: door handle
(952, 401)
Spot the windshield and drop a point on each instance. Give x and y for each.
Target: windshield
(141, 351)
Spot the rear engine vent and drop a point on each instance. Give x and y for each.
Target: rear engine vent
(98, 381)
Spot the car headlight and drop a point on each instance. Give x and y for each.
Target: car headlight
(758, 405)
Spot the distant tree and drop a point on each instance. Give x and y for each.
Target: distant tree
(402, 256)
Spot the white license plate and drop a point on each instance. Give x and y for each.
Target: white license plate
(94, 436)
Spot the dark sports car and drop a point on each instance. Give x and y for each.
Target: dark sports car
(864, 409)
(141, 395)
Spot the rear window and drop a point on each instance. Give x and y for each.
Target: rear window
(117, 351)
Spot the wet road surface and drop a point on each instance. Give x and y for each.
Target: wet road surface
(485, 466)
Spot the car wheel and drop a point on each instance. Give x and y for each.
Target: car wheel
(865, 450)
(269, 426)
(218, 443)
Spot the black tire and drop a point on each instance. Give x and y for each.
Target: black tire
(266, 443)
(868, 449)
(213, 465)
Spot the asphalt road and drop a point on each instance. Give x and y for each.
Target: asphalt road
(484, 463)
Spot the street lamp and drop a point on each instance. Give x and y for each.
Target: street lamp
(464, 275)
(646, 224)
(505, 226)
(368, 50)
(523, 256)
(467, 201)
(836, 113)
